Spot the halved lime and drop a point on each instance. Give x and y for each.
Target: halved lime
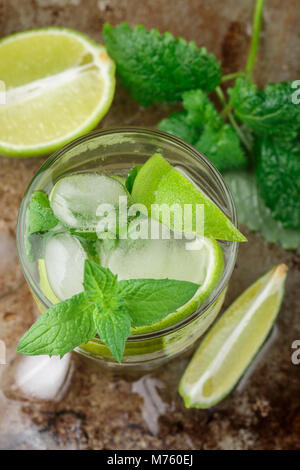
(157, 182)
(231, 344)
(59, 84)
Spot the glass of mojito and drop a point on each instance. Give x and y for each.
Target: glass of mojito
(125, 200)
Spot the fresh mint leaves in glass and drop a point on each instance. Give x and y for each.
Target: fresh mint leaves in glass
(53, 264)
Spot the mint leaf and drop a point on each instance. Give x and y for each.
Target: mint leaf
(63, 327)
(40, 219)
(201, 110)
(177, 124)
(40, 214)
(222, 147)
(201, 125)
(269, 111)
(100, 284)
(157, 67)
(107, 308)
(90, 243)
(34, 246)
(278, 178)
(113, 328)
(253, 211)
(188, 124)
(150, 300)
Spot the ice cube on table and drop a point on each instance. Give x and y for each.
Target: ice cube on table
(42, 377)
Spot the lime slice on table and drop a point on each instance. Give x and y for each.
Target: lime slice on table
(59, 84)
(157, 182)
(168, 258)
(231, 344)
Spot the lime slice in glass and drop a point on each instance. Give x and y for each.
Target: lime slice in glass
(199, 261)
(157, 182)
(59, 84)
(61, 270)
(234, 340)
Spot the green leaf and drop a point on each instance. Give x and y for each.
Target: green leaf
(90, 243)
(201, 125)
(131, 177)
(100, 284)
(201, 110)
(157, 67)
(40, 214)
(34, 246)
(107, 308)
(62, 328)
(113, 328)
(222, 147)
(178, 125)
(150, 300)
(188, 124)
(253, 211)
(278, 178)
(269, 111)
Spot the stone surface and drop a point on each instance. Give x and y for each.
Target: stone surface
(97, 409)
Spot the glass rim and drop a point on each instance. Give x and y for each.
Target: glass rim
(132, 130)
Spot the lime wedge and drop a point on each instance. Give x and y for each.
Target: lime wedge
(44, 283)
(59, 84)
(157, 182)
(231, 344)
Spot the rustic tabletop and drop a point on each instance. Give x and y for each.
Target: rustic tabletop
(80, 406)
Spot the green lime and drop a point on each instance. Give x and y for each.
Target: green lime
(172, 259)
(44, 283)
(59, 84)
(157, 182)
(234, 340)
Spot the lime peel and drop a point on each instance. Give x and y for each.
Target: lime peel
(61, 98)
(158, 183)
(220, 360)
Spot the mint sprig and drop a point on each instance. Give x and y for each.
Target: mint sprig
(267, 112)
(150, 300)
(40, 215)
(253, 211)
(40, 220)
(40, 224)
(156, 67)
(201, 125)
(63, 327)
(278, 178)
(107, 307)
